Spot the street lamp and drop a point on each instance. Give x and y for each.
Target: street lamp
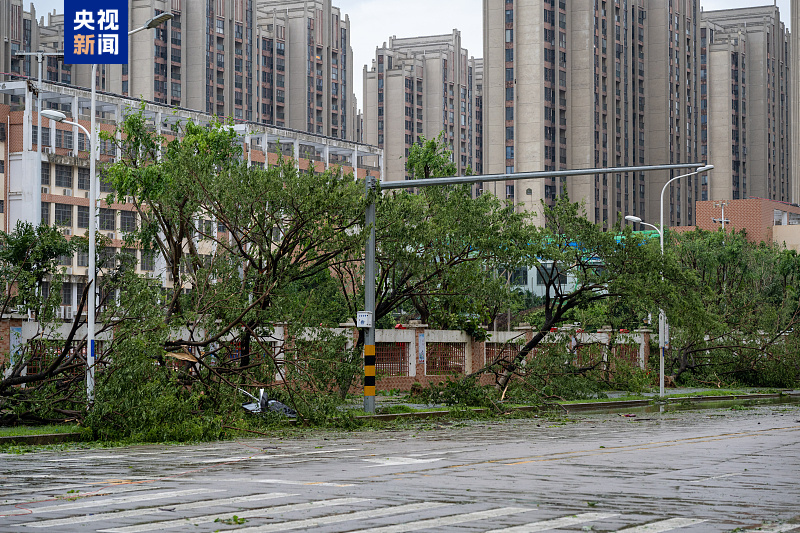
(662, 318)
(58, 116)
(154, 22)
(92, 134)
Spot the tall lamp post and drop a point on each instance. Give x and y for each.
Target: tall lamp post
(92, 134)
(662, 318)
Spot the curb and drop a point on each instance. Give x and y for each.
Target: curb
(39, 440)
(692, 399)
(578, 407)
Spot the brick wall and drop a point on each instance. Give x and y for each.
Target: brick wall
(754, 215)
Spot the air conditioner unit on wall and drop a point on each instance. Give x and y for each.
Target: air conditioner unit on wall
(86, 194)
(67, 192)
(110, 236)
(45, 190)
(66, 231)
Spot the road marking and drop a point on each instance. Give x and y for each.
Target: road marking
(776, 529)
(664, 525)
(86, 458)
(250, 513)
(314, 483)
(398, 461)
(346, 517)
(441, 453)
(555, 523)
(92, 488)
(716, 477)
(445, 520)
(94, 502)
(156, 510)
(272, 456)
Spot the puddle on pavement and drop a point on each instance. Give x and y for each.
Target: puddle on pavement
(690, 404)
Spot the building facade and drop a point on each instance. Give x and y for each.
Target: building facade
(423, 86)
(764, 220)
(58, 194)
(745, 107)
(592, 84)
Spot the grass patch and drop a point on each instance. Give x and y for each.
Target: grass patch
(24, 431)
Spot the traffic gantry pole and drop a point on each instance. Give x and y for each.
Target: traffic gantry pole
(367, 318)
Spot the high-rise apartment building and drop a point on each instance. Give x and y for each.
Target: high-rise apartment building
(277, 62)
(423, 86)
(745, 92)
(672, 117)
(590, 84)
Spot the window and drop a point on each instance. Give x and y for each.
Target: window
(46, 213)
(147, 261)
(546, 273)
(107, 257)
(83, 216)
(45, 173)
(63, 215)
(509, 36)
(83, 260)
(108, 219)
(127, 221)
(66, 288)
(83, 179)
(105, 185)
(63, 176)
(509, 133)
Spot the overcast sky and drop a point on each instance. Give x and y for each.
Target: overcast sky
(372, 22)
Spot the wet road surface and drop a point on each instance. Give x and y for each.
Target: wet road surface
(704, 471)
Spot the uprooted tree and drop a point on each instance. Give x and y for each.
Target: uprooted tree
(735, 316)
(31, 281)
(581, 265)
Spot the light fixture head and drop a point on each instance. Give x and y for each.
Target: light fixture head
(705, 169)
(52, 114)
(635, 220)
(158, 20)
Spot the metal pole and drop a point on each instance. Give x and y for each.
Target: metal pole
(369, 302)
(39, 138)
(457, 180)
(90, 335)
